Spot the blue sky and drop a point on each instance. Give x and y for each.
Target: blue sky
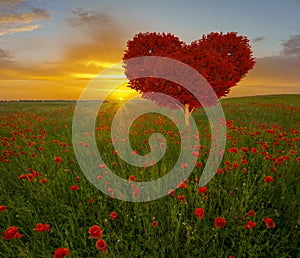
(49, 42)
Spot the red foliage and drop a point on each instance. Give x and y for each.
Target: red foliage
(222, 59)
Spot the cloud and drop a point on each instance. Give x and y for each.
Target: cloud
(92, 41)
(98, 39)
(257, 39)
(9, 30)
(10, 3)
(6, 54)
(35, 14)
(82, 17)
(19, 16)
(291, 47)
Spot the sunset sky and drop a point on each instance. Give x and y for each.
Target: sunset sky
(52, 49)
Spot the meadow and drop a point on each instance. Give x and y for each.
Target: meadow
(249, 209)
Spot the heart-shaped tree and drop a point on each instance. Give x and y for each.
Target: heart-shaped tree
(222, 59)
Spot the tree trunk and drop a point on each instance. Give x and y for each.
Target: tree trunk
(187, 115)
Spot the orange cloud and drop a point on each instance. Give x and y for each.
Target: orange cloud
(35, 14)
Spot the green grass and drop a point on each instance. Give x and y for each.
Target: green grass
(268, 123)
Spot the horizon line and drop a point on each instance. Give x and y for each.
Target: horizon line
(118, 100)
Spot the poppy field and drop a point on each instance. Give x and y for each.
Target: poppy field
(250, 208)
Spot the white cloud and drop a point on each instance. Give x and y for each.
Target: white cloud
(12, 30)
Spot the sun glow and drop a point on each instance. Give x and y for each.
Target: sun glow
(122, 93)
(99, 63)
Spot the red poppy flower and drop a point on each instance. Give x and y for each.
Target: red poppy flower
(11, 233)
(22, 176)
(3, 208)
(181, 185)
(251, 213)
(46, 227)
(171, 192)
(101, 245)
(244, 162)
(113, 215)
(220, 171)
(74, 187)
(43, 180)
(135, 152)
(58, 159)
(244, 149)
(198, 164)
(42, 227)
(95, 232)
(110, 191)
(131, 178)
(270, 223)
(234, 150)
(154, 224)
(273, 169)
(220, 222)
(30, 177)
(249, 225)
(61, 252)
(199, 212)
(39, 227)
(235, 165)
(136, 191)
(180, 198)
(254, 150)
(202, 190)
(227, 162)
(268, 179)
(184, 165)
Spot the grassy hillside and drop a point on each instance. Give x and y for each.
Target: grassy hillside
(249, 209)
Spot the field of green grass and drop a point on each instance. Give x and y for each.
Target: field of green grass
(249, 209)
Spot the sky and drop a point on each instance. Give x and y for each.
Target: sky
(53, 49)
